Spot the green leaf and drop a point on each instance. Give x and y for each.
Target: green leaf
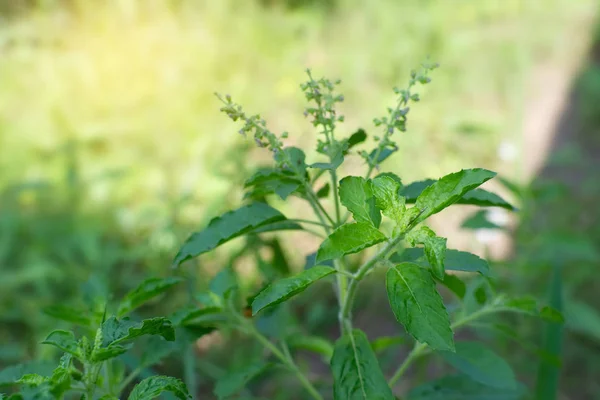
(460, 387)
(479, 220)
(455, 260)
(278, 226)
(106, 353)
(154, 386)
(481, 364)
(435, 248)
(356, 371)
(455, 285)
(297, 161)
(315, 344)
(281, 290)
(450, 189)
(156, 350)
(115, 331)
(476, 197)
(528, 305)
(583, 319)
(224, 280)
(68, 314)
(348, 239)
(384, 342)
(64, 340)
(265, 182)
(235, 381)
(385, 190)
(10, 375)
(146, 291)
(418, 306)
(226, 227)
(324, 191)
(61, 378)
(356, 195)
(384, 154)
(197, 316)
(357, 138)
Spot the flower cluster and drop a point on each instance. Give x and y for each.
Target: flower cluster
(254, 124)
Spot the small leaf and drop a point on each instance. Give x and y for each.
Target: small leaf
(357, 138)
(481, 364)
(297, 159)
(449, 189)
(476, 197)
(283, 289)
(68, 314)
(418, 306)
(115, 331)
(455, 285)
(348, 239)
(383, 155)
(435, 248)
(324, 191)
(235, 381)
(454, 260)
(385, 342)
(356, 195)
(460, 387)
(64, 340)
(385, 190)
(479, 220)
(224, 280)
(356, 371)
(146, 291)
(154, 386)
(265, 182)
(315, 344)
(226, 227)
(528, 305)
(10, 375)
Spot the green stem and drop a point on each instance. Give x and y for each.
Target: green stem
(421, 348)
(360, 274)
(338, 216)
(285, 357)
(128, 379)
(307, 221)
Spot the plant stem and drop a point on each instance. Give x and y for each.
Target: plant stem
(420, 348)
(318, 208)
(285, 357)
(338, 217)
(307, 221)
(360, 274)
(415, 353)
(128, 379)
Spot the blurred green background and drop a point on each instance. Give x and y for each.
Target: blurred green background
(112, 147)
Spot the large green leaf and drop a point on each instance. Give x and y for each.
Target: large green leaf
(281, 290)
(481, 364)
(454, 260)
(460, 387)
(115, 331)
(476, 197)
(418, 306)
(348, 239)
(528, 305)
(147, 290)
(356, 371)
(226, 227)
(154, 386)
(64, 340)
(235, 381)
(450, 189)
(356, 194)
